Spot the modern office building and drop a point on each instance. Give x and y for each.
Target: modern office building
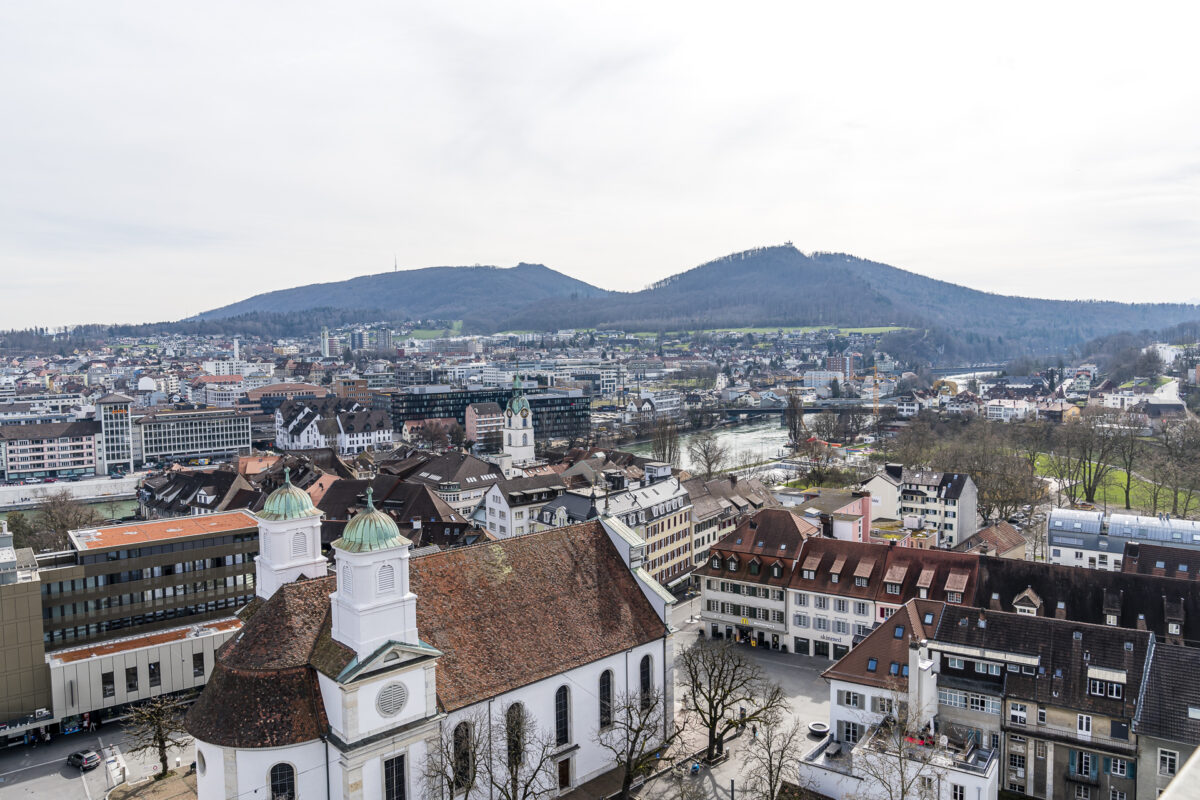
(127, 613)
(116, 424)
(178, 434)
(557, 414)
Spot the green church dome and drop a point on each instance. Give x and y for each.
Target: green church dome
(288, 502)
(371, 530)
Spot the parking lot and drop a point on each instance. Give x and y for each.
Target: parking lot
(42, 771)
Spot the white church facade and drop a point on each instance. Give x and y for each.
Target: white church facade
(348, 683)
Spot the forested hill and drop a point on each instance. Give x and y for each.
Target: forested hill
(763, 287)
(434, 292)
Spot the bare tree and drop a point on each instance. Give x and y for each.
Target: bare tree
(521, 760)
(59, 513)
(1180, 443)
(793, 417)
(707, 452)
(772, 757)
(1127, 452)
(664, 441)
(156, 726)
(636, 736)
(453, 760)
(899, 760)
(1090, 443)
(723, 689)
(825, 426)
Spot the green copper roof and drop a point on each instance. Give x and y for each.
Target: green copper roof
(371, 530)
(288, 502)
(518, 401)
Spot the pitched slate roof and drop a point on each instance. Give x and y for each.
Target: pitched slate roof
(485, 607)
(1171, 693)
(1079, 594)
(1065, 649)
(1165, 561)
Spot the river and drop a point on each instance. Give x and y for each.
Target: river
(756, 441)
(115, 509)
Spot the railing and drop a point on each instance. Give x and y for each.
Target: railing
(1071, 735)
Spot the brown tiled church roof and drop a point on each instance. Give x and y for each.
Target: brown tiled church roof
(504, 614)
(263, 690)
(509, 613)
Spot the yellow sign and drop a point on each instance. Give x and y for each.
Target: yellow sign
(745, 621)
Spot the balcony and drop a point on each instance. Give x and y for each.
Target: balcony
(1092, 741)
(1079, 777)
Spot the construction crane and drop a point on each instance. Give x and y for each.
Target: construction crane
(875, 390)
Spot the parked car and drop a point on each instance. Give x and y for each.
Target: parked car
(84, 760)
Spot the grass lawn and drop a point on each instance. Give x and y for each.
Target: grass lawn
(784, 328)
(430, 333)
(1112, 493)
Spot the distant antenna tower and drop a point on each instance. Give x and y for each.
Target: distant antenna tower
(395, 263)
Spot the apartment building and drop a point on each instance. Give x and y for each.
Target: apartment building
(719, 505)
(1056, 697)
(179, 434)
(661, 514)
(840, 515)
(945, 501)
(512, 505)
(1097, 540)
(744, 579)
(484, 425)
(49, 450)
(885, 729)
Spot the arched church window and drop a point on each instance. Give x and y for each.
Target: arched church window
(387, 578)
(283, 782)
(514, 735)
(464, 770)
(647, 682)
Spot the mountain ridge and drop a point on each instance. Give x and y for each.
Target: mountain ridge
(762, 287)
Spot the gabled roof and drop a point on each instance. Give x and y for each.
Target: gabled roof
(888, 644)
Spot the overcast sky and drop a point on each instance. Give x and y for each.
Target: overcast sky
(160, 158)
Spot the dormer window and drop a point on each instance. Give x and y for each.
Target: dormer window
(809, 574)
(893, 588)
(732, 565)
(1110, 619)
(1173, 628)
(716, 562)
(754, 567)
(860, 581)
(776, 571)
(833, 578)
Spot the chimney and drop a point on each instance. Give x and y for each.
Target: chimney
(732, 479)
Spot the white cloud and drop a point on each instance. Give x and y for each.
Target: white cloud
(160, 159)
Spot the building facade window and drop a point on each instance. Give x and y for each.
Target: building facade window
(647, 682)
(394, 787)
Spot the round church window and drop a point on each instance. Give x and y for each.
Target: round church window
(392, 699)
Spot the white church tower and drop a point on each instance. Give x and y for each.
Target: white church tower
(373, 604)
(518, 427)
(289, 539)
